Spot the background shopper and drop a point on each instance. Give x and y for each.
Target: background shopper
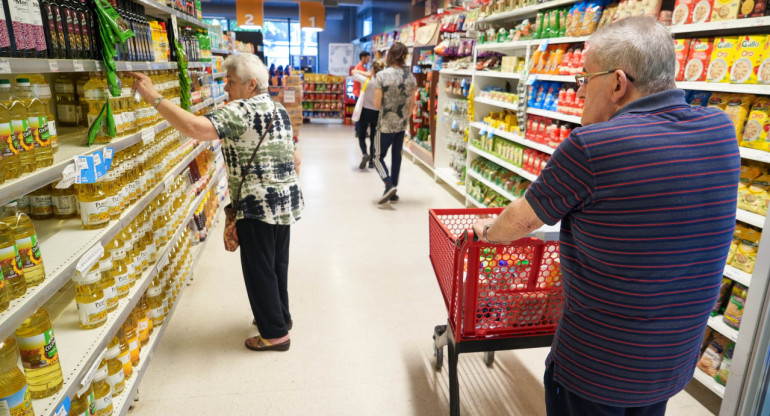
(271, 199)
(646, 195)
(370, 115)
(393, 96)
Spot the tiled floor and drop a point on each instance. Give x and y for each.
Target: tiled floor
(364, 301)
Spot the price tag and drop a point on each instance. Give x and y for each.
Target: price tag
(148, 135)
(53, 65)
(99, 166)
(99, 66)
(90, 374)
(68, 176)
(78, 65)
(544, 45)
(483, 130)
(289, 96)
(64, 408)
(107, 155)
(532, 79)
(491, 134)
(5, 66)
(90, 258)
(129, 67)
(84, 166)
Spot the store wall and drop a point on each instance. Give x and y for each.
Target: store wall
(384, 14)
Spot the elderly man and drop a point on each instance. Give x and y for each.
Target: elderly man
(646, 194)
(271, 199)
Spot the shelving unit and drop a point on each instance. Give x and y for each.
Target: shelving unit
(525, 11)
(504, 163)
(496, 103)
(491, 185)
(554, 115)
(514, 138)
(43, 66)
(495, 74)
(709, 382)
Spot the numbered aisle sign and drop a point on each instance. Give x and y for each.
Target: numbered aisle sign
(312, 15)
(249, 12)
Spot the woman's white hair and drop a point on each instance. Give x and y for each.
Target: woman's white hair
(641, 47)
(247, 66)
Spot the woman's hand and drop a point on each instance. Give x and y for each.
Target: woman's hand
(143, 85)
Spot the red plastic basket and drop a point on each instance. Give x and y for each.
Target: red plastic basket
(493, 290)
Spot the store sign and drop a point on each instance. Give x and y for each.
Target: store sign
(341, 58)
(249, 13)
(312, 15)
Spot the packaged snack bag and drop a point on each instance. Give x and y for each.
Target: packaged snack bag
(719, 100)
(724, 291)
(748, 174)
(591, 18)
(756, 197)
(712, 357)
(682, 48)
(739, 230)
(724, 366)
(700, 98)
(751, 51)
(698, 59)
(763, 70)
(722, 58)
(752, 8)
(755, 134)
(725, 10)
(738, 107)
(734, 309)
(746, 254)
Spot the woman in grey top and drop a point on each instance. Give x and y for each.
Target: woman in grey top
(393, 97)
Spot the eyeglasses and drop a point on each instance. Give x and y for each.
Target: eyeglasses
(580, 79)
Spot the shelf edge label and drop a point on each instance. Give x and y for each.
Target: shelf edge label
(5, 66)
(90, 258)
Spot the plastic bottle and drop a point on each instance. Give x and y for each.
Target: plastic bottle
(95, 94)
(22, 44)
(102, 391)
(107, 282)
(66, 101)
(22, 133)
(129, 328)
(115, 377)
(37, 114)
(142, 326)
(89, 298)
(41, 203)
(39, 355)
(9, 146)
(64, 202)
(27, 244)
(125, 353)
(14, 393)
(94, 205)
(155, 300)
(83, 403)
(10, 264)
(43, 90)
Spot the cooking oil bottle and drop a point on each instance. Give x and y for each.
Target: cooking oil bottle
(41, 88)
(102, 391)
(147, 313)
(119, 271)
(83, 403)
(15, 397)
(39, 355)
(4, 301)
(67, 106)
(89, 298)
(107, 282)
(37, 114)
(110, 186)
(127, 99)
(115, 377)
(94, 205)
(142, 327)
(10, 264)
(22, 134)
(41, 203)
(155, 301)
(64, 202)
(27, 244)
(129, 328)
(125, 353)
(9, 146)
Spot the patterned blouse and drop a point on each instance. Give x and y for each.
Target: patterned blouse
(271, 191)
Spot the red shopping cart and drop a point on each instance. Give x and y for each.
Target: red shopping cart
(498, 297)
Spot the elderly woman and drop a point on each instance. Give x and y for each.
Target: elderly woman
(271, 199)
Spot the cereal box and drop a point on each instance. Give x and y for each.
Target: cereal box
(682, 12)
(682, 48)
(751, 51)
(702, 11)
(725, 10)
(752, 8)
(722, 58)
(698, 59)
(755, 132)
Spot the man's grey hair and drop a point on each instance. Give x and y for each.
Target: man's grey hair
(247, 66)
(641, 47)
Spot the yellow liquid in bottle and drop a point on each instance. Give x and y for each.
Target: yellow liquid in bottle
(110, 187)
(39, 355)
(102, 391)
(115, 377)
(147, 313)
(22, 135)
(41, 203)
(9, 147)
(12, 380)
(142, 326)
(10, 261)
(37, 116)
(94, 95)
(83, 404)
(107, 282)
(129, 328)
(64, 202)
(27, 244)
(125, 353)
(43, 91)
(155, 301)
(89, 298)
(94, 205)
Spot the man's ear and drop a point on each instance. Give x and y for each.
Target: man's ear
(253, 84)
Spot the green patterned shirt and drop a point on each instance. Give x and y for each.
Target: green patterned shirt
(271, 191)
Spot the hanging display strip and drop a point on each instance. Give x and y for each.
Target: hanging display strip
(64, 243)
(40, 66)
(80, 349)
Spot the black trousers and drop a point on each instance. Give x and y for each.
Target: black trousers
(383, 142)
(265, 263)
(368, 120)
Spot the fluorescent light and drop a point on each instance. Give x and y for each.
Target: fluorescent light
(255, 27)
(313, 29)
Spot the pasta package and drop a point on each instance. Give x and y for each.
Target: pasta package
(751, 51)
(738, 107)
(682, 12)
(758, 125)
(698, 59)
(747, 175)
(711, 359)
(746, 254)
(700, 98)
(701, 12)
(648, 8)
(719, 100)
(752, 8)
(756, 197)
(734, 309)
(739, 230)
(724, 366)
(681, 48)
(722, 58)
(725, 10)
(724, 290)
(591, 18)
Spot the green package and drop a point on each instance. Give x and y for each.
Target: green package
(539, 26)
(109, 17)
(111, 129)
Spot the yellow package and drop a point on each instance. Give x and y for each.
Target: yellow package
(751, 50)
(748, 174)
(757, 126)
(738, 107)
(725, 10)
(746, 253)
(755, 198)
(719, 100)
(739, 230)
(722, 58)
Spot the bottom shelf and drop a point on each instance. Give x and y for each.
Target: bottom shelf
(709, 382)
(450, 177)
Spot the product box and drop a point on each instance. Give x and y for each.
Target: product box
(276, 93)
(725, 10)
(682, 12)
(292, 95)
(752, 49)
(702, 11)
(752, 8)
(757, 126)
(682, 49)
(292, 80)
(698, 59)
(722, 58)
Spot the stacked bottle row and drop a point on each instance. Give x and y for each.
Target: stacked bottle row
(21, 260)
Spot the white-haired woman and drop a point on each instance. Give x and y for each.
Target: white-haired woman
(271, 198)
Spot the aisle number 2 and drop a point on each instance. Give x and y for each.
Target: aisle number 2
(312, 15)
(249, 12)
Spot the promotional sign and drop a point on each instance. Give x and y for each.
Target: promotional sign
(249, 12)
(312, 15)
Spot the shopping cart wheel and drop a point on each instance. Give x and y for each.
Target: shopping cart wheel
(489, 358)
(439, 354)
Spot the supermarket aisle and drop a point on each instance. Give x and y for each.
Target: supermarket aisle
(364, 302)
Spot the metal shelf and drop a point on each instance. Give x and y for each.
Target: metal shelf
(751, 218)
(755, 154)
(554, 115)
(515, 138)
(40, 66)
(738, 276)
(496, 103)
(491, 185)
(504, 163)
(523, 44)
(718, 324)
(449, 176)
(155, 9)
(723, 27)
(709, 382)
(458, 72)
(556, 78)
(725, 87)
(497, 74)
(525, 11)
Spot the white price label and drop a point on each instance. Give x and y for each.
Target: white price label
(99, 66)
(86, 382)
(289, 97)
(107, 153)
(90, 258)
(148, 135)
(53, 65)
(64, 408)
(531, 80)
(97, 159)
(68, 176)
(78, 65)
(5, 66)
(129, 67)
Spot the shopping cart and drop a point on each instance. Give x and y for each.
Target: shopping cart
(499, 297)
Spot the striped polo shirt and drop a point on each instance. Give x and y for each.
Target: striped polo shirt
(647, 202)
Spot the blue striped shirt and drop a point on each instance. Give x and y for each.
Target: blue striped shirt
(647, 202)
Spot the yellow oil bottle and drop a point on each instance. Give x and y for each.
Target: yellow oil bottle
(80, 84)
(115, 376)
(94, 205)
(155, 296)
(10, 148)
(41, 203)
(10, 264)
(83, 403)
(102, 391)
(107, 282)
(39, 355)
(89, 298)
(119, 271)
(64, 202)
(67, 106)
(110, 186)
(142, 326)
(43, 91)
(22, 134)
(15, 396)
(129, 328)
(125, 353)
(27, 244)
(147, 313)
(94, 95)
(37, 116)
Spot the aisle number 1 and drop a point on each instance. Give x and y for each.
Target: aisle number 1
(312, 15)
(249, 12)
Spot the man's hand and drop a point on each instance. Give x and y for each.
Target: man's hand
(143, 85)
(478, 227)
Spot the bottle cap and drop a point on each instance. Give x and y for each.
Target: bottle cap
(22, 80)
(5, 82)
